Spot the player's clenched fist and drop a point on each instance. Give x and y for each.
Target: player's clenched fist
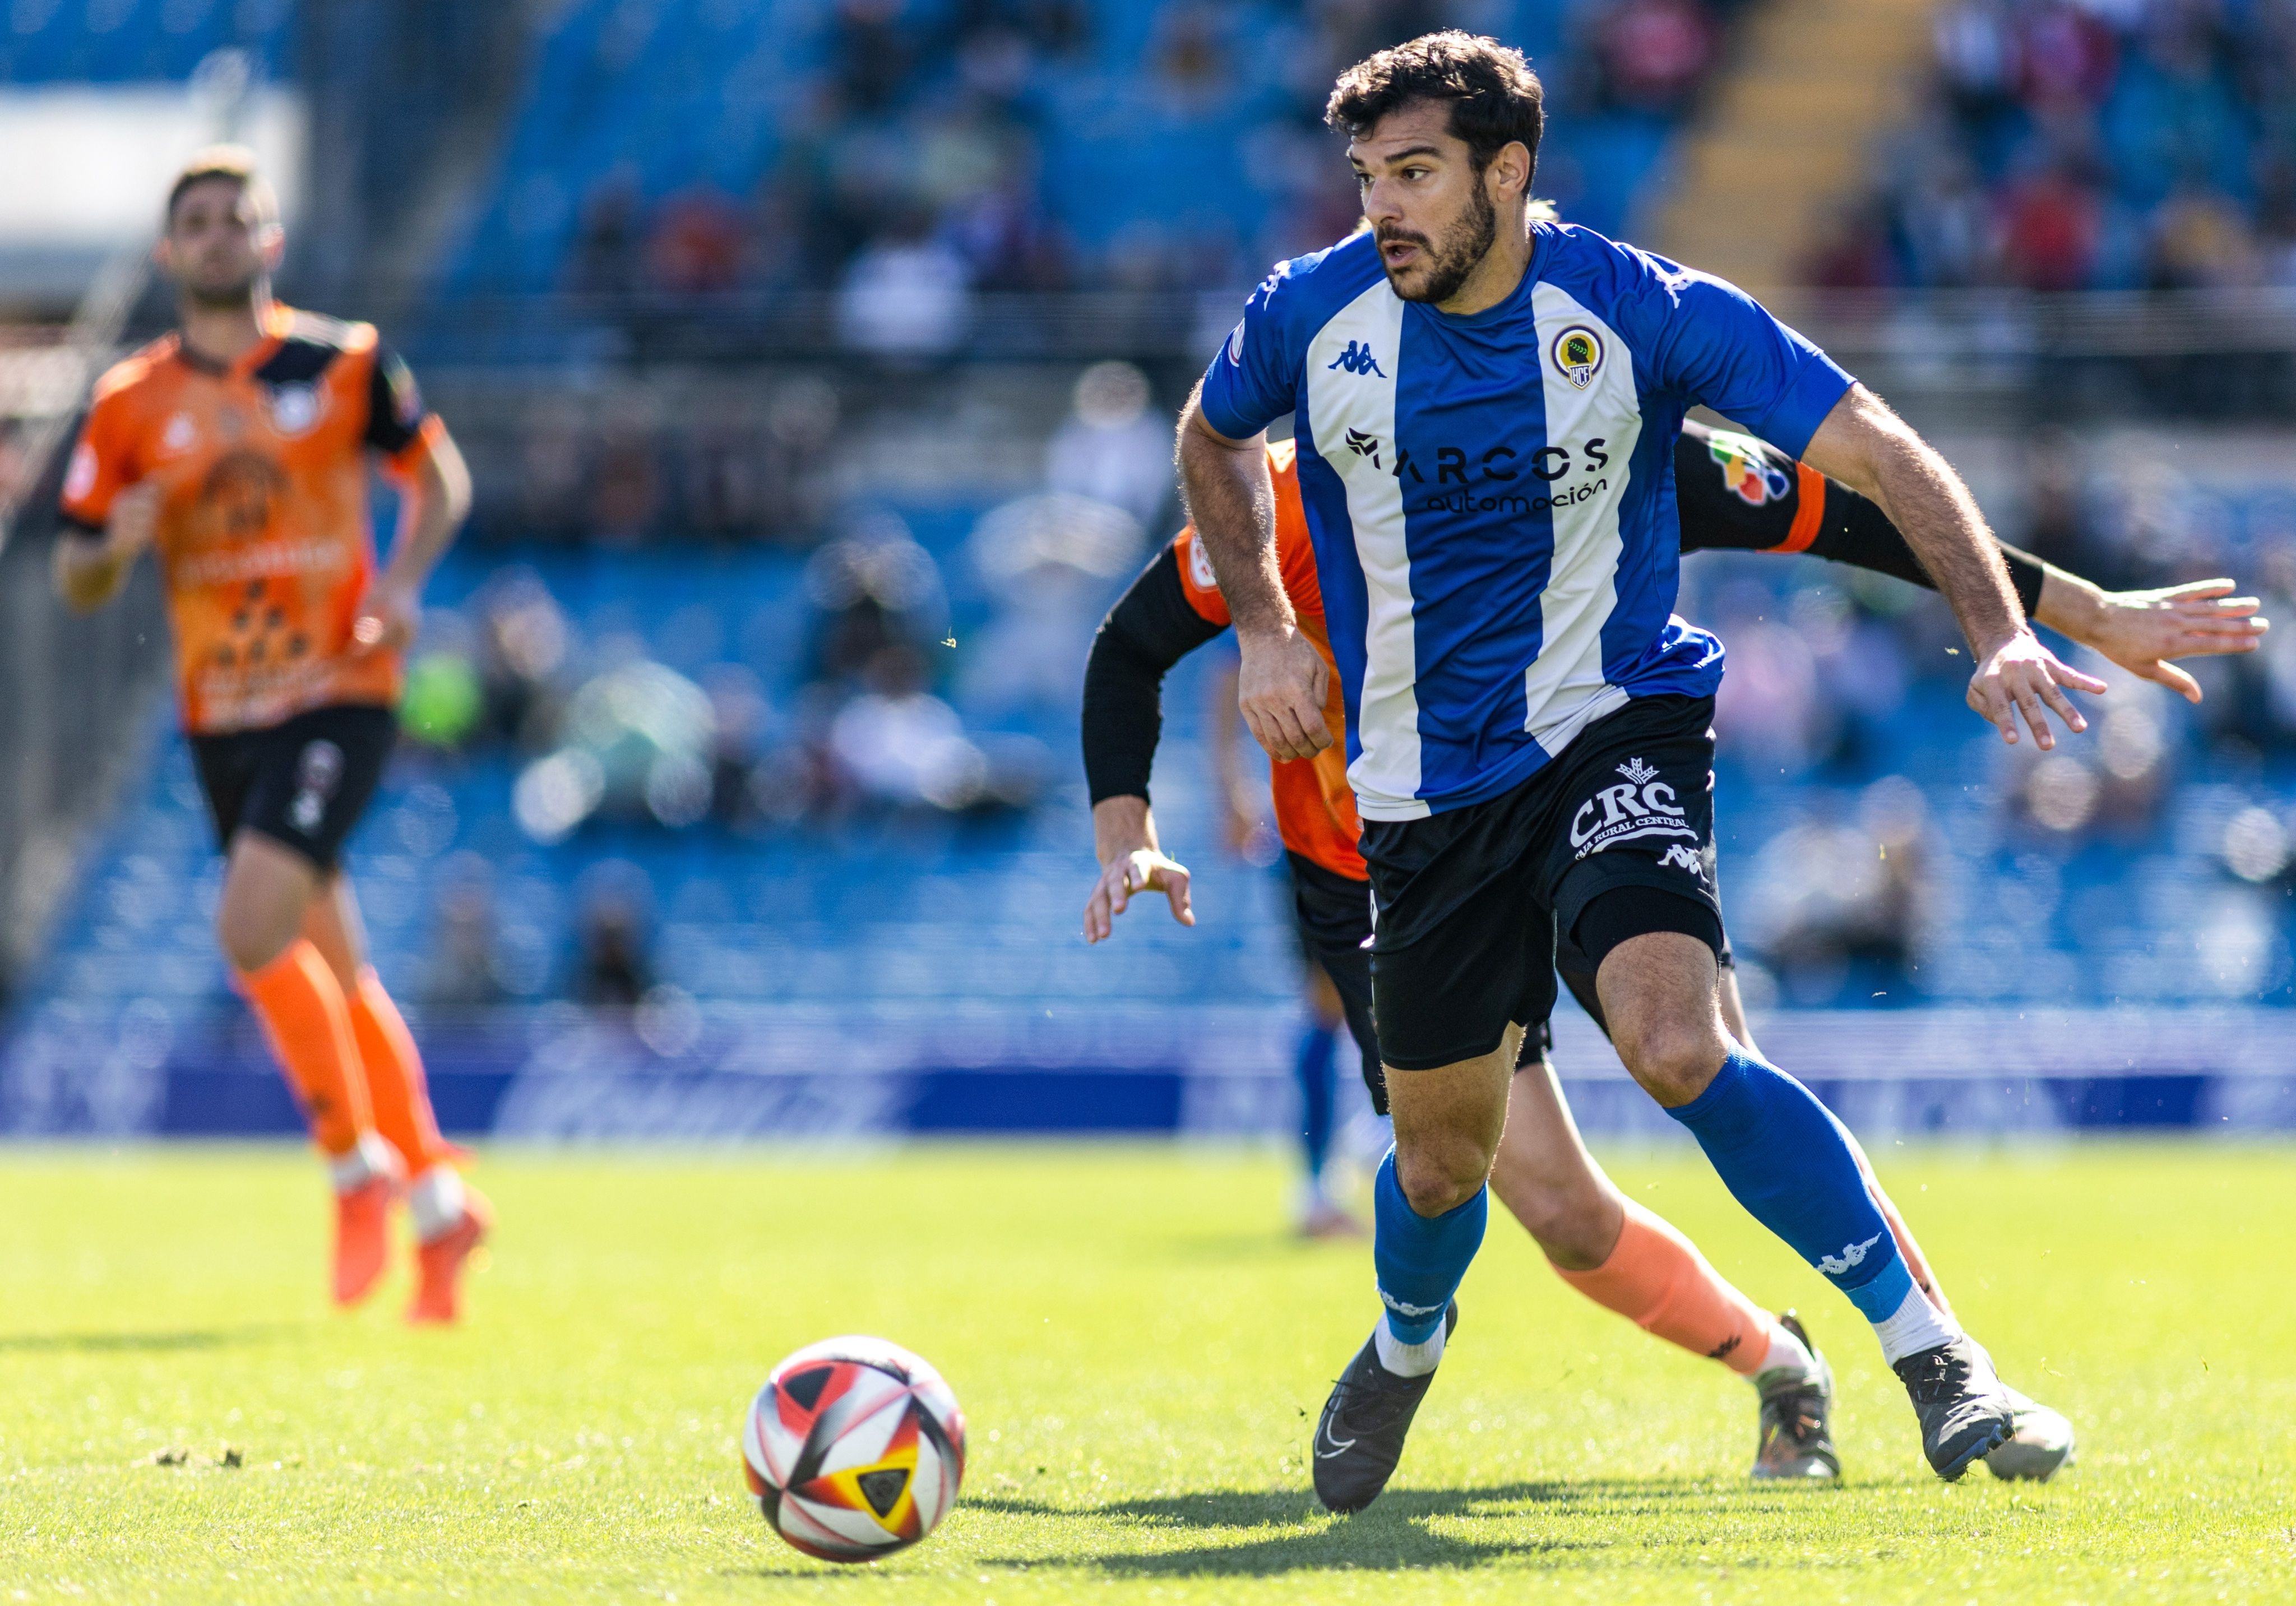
(2021, 676)
(1141, 870)
(1280, 686)
(388, 617)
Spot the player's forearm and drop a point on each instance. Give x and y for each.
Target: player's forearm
(436, 502)
(1868, 447)
(2070, 603)
(1122, 825)
(1232, 502)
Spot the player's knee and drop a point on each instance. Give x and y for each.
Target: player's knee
(249, 941)
(1441, 1176)
(1674, 1058)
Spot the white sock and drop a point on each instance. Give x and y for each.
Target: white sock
(1786, 1353)
(1917, 1326)
(1408, 1360)
(435, 1201)
(371, 1158)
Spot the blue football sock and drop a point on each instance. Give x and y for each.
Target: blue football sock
(1420, 1259)
(1784, 1156)
(1318, 1046)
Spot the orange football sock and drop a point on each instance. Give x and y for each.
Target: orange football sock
(395, 1083)
(1657, 1279)
(304, 1015)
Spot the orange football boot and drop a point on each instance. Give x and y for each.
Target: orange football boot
(362, 1238)
(438, 1288)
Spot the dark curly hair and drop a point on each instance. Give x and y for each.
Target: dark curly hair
(1495, 98)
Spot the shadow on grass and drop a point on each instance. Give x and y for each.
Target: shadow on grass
(130, 1343)
(1395, 1532)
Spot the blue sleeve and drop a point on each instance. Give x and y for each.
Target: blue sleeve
(1253, 381)
(1709, 342)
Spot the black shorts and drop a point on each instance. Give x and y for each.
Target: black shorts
(1333, 912)
(1470, 901)
(303, 783)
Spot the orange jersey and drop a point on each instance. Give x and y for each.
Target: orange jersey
(1315, 806)
(265, 542)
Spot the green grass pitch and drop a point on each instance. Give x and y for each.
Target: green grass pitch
(1140, 1352)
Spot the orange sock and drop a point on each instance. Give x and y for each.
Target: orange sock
(395, 1082)
(1657, 1279)
(303, 1012)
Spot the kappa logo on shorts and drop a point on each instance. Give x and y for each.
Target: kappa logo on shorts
(1683, 858)
(318, 771)
(1644, 807)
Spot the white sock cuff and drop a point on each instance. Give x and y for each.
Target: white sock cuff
(369, 1158)
(1915, 1326)
(435, 1200)
(1408, 1360)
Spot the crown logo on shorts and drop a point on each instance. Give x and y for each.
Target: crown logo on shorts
(1637, 771)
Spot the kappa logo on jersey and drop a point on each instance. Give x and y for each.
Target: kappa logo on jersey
(181, 435)
(1578, 354)
(1364, 446)
(1852, 1255)
(1748, 473)
(1356, 359)
(1644, 807)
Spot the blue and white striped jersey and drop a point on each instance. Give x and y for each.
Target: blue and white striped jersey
(1491, 498)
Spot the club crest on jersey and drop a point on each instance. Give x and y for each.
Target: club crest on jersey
(1356, 359)
(1199, 566)
(294, 408)
(1235, 342)
(1748, 474)
(1364, 446)
(1577, 354)
(180, 435)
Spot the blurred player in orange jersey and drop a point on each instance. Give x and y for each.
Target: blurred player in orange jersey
(237, 450)
(1735, 493)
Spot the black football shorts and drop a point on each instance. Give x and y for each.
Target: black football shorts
(1468, 902)
(1332, 916)
(303, 783)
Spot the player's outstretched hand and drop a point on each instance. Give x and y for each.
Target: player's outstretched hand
(387, 618)
(2142, 630)
(1280, 686)
(2022, 676)
(1141, 870)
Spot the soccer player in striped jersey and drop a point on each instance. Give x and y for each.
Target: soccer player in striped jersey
(1735, 493)
(237, 451)
(1487, 408)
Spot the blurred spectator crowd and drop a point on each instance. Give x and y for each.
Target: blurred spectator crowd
(927, 149)
(2091, 144)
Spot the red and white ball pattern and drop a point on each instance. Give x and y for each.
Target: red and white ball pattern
(854, 1448)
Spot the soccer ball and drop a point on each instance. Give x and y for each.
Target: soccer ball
(854, 1448)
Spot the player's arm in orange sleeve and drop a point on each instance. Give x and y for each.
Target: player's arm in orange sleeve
(434, 498)
(1157, 622)
(1792, 508)
(109, 520)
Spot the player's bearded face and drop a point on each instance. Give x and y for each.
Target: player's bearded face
(216, 245)
(1445, 261)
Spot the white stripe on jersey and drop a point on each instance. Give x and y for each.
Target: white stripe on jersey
(1352, 413)
(1563, 689)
